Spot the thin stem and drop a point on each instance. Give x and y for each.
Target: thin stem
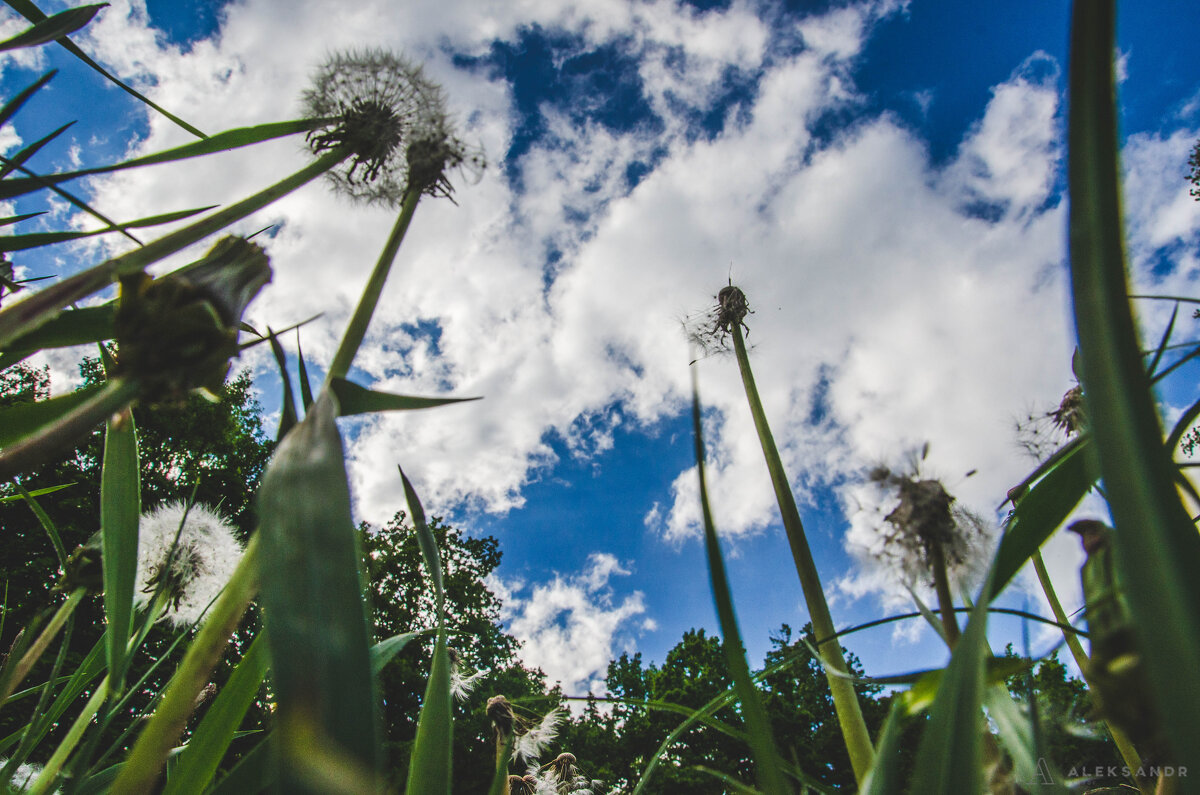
(43, 642)
(845, 700)
(1128, 753)
(40, 307)
(50, 772)
(162, 731)
(941, 584)
(357, 329)
(60, 434)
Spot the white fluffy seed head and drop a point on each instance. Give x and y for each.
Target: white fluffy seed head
(191, 570)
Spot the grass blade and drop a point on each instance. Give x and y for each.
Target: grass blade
(61, 24)
(11, 164)
(768, 770)
(386, 650)
(287, 413)
(355, 399)
(1041, 510)
(13, 105)
(312, 594)
(22, 419)
(72, 327)
(884, 776)
(37, 239)
(198, 761)
(1158, 547)
(120, 512)
(306, 396)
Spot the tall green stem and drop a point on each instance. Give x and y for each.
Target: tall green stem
(357, 329)
(163, 729)
(845, 700)
(54, 764)
(1128, 753)
(43, 642)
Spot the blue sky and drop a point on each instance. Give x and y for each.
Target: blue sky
(883, 178)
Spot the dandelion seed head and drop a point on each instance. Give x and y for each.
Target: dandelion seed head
(535, 739)
(193, 569)
(393, 122)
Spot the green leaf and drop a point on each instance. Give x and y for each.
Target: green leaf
(221, 142)
(13, 105)
(16, 219)
(200, 758)
(120, 512)
(1044, 507)
(355, 399)
(767, 764)
(884, 778)
(306, 396)
(1157, 544)
(30, 11)
(22, 419)
(312, 596)
(13, 163)
(61, 24)
(287, 413)
(430, 767)
(253, 772)
(71, 327)
(43, 518)
(950, 758)
(36, 239)
(385, 650)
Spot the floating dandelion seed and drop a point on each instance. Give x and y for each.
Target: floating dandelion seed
(189, 559)
(24, 777)
(393, 122)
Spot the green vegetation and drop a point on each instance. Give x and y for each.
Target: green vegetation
(348, 659)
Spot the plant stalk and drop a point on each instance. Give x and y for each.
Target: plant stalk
(361, 319)
(40, 645)
(54, 764)
(845, 700)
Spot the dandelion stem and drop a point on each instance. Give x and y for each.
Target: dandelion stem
(40, 307)
(1128, 753)
(163, 729)
(60, 434)
(845, 700)
(357, 329)
(43, 642)
(941, 584)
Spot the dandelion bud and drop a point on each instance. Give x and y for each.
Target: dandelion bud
(178, 332)
(522, 785)
(500, 712)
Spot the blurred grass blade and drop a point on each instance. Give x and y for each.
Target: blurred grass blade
(287, 413)
(22, 419)
(37, 239)
(767, 767)
(30, 11)
(43, 518)
(13, 105)
(950, 758)
(200, 758)
(306, 397)
(11, 164)
(72, 199)
(72, 327)
(221, 142)
(1157, 545)
(61, 24)
(120, 512)
(1162, 343)
(355, 399)
(731, 783)
(1041, 510)
(430, 764)
(884, 777)
(1015, 731)
(385, 650)
(16, 219)
(312, 595)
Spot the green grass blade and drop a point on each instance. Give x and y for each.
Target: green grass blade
(1041, 510)
(768, 770)
(16, 219)
(38, 239)
(13, 105)
(884, 776)
(30, 11)
(72, 327)
(120, 511)
(386, 650)
(61, 24)
(22, 419)
(430, 767)
(1158, 546)
(287, 413)
(198, 761)
(950, 757)
(43, 518)
(1162, 343)
(253, 772)
(221, 142)
(731, 783)
(312, 595)
(306, 396)
(72, 199)
(355, 399)
(11, 164)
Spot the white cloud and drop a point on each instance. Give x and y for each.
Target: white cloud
(570, 626)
